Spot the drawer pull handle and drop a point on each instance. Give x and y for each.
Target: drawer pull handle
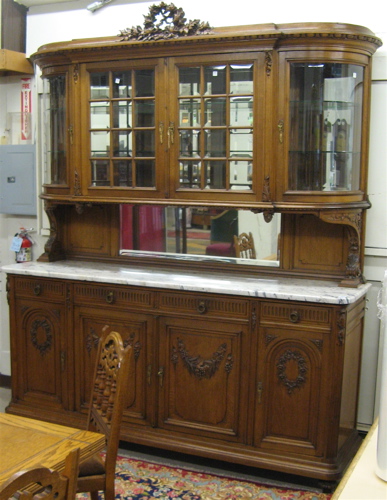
(294, 316)
(202, 307)
(160, 374)
(37, 290)
(259, 392)
(280, 127)
(110, 297)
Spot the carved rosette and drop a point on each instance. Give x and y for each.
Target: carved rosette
(37, 327)
(199, 367)
(287, 357)
(318, 343)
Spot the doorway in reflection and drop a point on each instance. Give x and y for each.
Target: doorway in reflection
(197, 233)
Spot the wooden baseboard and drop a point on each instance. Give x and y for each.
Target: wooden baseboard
(5, 381)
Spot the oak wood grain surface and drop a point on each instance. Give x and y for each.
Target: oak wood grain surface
(25, 442)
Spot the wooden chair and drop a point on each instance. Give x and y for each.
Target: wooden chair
(44, 483)
(244, 246)
(105, 414)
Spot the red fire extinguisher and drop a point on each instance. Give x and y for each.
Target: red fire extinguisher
(24, 254)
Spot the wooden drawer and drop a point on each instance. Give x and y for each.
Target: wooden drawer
(106, 296)
(39, 288)
(295, 314)
(204, 305)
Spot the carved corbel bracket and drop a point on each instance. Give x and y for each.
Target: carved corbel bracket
(53, 248)
(352, 219)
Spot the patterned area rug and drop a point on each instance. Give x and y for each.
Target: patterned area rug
(140, 480)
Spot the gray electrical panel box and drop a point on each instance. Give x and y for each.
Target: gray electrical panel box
(17, 180)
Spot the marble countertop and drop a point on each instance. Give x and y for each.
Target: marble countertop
(324, 292)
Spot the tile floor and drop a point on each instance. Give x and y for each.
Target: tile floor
(198, 463)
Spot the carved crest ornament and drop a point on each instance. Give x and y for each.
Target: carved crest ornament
(163, 22)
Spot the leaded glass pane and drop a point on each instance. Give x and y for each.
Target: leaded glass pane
(241, 79)
(190, 143)
(122, 84)
(145, 143)
(215, 142)
(189, 112)
(215, 80)
(99, 114)
(241, 143)
(122, 114)
(145, 113)
(100, 143)
(100, 173)
(145, 173)
(215, 172)
(122, 143)
(215, 111)
(99, 85)
(122, 173)
(241, 111)
(145, 82)
(189, 81)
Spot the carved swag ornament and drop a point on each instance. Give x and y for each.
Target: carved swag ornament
(163, 22)
(199, 367)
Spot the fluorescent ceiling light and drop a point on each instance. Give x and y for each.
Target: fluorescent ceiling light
(97, 5)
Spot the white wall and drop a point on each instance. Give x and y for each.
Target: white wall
(69, 20)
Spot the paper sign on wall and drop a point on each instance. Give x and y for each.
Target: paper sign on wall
(26, 105)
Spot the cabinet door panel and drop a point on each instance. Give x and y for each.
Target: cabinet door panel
(134, 329)
(216, 151)
(202, 385)
(126, 129)
(291, 390)
(321, 126)
(41, 372)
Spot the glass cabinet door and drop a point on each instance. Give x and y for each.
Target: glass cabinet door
(215, 126)
(325, 126)
(122, 128)
(55, 129)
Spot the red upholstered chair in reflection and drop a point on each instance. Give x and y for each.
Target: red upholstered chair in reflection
(223, 228)
(105, 414)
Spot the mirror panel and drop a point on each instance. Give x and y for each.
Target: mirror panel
(198, 233)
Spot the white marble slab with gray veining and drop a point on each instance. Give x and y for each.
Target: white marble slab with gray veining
(324, 292)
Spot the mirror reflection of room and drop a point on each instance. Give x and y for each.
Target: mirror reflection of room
(233, 235)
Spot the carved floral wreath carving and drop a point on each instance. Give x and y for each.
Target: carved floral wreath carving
(163, 22)
(300, 380)
(42, 347)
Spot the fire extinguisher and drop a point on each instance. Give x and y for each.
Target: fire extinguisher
(24, 254)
